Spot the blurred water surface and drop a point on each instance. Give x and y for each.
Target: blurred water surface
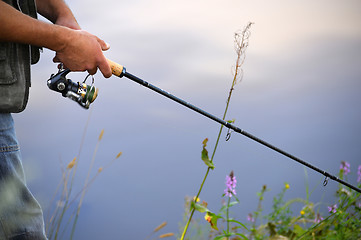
(300, 91)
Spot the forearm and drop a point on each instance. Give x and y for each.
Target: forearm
(54, 10)
(78, 50)
(18, 27)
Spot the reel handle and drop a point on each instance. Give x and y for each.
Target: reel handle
(117, 69)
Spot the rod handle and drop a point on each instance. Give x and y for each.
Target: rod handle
(117, 69)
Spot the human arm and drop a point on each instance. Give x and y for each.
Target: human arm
(77, 49)
(58, 12)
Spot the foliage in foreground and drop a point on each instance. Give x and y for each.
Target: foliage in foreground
(341, 221)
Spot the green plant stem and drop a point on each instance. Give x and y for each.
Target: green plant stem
(192, 212)
(213, 154)
(229, 200)
(240, 50)
(186, 227)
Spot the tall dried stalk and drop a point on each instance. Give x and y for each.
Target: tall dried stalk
(241, 41)
(55, 221)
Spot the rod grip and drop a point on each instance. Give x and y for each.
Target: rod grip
(117, 69)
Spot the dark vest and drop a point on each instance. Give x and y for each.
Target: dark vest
(15, 61)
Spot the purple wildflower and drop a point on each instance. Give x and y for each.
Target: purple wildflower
(345, 167)
(318, 218)
(332, 209)
(231, 185)
(250, 217)
(359, 174)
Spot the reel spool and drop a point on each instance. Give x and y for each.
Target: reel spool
(79, 92)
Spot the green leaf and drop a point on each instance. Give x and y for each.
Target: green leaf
(205, 157)
(219, 237)
(212, 218)
(231, 121)
(224, 207)
(298, 229)
(205, 141)
(199, 207)
(231, 204)
(235, 221)
(243, 236)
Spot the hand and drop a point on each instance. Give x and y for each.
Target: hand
(83, 52)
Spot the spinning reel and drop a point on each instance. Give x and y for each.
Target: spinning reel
(80, 92)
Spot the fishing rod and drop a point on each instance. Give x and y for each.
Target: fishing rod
(85, 94)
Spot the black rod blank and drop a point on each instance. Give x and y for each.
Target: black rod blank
(236, 129)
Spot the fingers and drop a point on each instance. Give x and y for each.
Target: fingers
(60, 65)
(92, 71)
(105, 68)
(85, 53)
(56, 59)
(103, 65)
(105, 46)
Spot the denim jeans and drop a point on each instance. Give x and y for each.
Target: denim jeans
(21, 217)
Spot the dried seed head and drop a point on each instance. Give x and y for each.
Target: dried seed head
(119, 154)
(166, 235)
(71, 164)
(101, 135)
(160, 227)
